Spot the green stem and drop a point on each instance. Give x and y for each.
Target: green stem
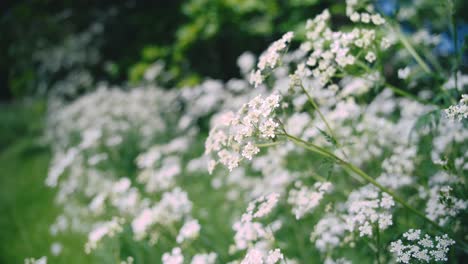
(264, 145)
(330, 130)
(377, 234)
(394, 88)
(413, 52)
(316, 108)
(369, 179)
(408, 95)
(455, 42)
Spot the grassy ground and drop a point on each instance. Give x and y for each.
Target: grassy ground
(26, 205)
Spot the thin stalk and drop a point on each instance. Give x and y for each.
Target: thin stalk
(455, 42)
(117, 250)
(264, 145)
(406, 94)
(413, 52)
(394, 88)
(365, 176)
(377, 234)
(300, 243)
(330, 130)
(316, 108)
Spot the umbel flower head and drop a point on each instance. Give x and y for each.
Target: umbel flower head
(231, 139)
(421, 248)
(458, 111)
(269, 59)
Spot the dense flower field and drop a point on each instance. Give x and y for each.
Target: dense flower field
(343, 143)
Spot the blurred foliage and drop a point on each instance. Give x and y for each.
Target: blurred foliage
(120, 41)
(24, 159)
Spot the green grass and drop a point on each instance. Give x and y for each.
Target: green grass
(26, 205)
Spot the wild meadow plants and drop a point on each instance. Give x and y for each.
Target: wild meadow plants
(341, 144)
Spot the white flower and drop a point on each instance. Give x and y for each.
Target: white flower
(442, 205)
(142, 222)
(256, 78)
(269, 59)
(254, 256)
(274, 256)
(246, 61)
(230, 139)
(305, 199)
(355, 17)
(412, 234)
(328, 233)
(266, 204)
(377, 19)
(189, 230)
(204, 258)
(365, 18)
(174, 257)
(365, 209)
(250, 150)
(421, 249)
(458, 111)
(211, 166)
(404, 73)
(370, 56)
(109, 228)
(42, 260)
(229, 159)
(56, 248)
(267, 128)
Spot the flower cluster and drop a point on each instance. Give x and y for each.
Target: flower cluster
(174, 257)
(138, 156)
(304, 199)
(368, 208)
(42, 260)
(269, 59)
(458, 111)
(442, 205)
(421, 248)
(368, 15)
(255, 256)
(249, 231)
(109, 229)
(330, 51)
(173, 207)
(328, 233)
(190, 230)
(209, 258)
(231, 138)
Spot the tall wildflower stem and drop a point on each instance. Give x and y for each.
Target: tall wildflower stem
(324, 152)
(451, 5)
(413, 52)
(395, 89)
(377, 233)
(406, 94)
(317, 109)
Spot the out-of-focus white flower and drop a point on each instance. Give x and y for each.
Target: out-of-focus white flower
(189, 230)
(370, 56)
(209, 258)
(246, 62)
(367, 207)
(305, 199)
(404, 73)
(174, 257)
(56, 248)
(42, 260)
(109, 228)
